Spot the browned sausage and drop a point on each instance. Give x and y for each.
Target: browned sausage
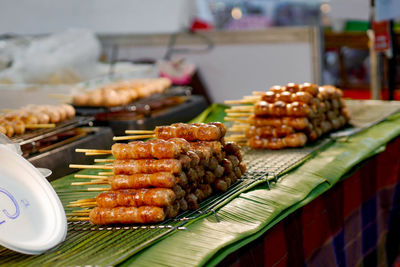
(194, 158)
(233, 149)
(146, 150)
(173, 210)
(178, 191)
(220, 185)
(159, 197)
(126, 215)
(189, 132)
(143, 180)
(192, 201)
(146, 166)
(183, 205)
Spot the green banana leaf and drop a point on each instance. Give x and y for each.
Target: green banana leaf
(208, 239)
(248, 216)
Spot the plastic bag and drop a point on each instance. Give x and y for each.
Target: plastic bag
(66, 57)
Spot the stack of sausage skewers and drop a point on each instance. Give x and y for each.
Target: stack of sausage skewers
(156, 179)
(16, 122)
(286, 116)
(122, 93)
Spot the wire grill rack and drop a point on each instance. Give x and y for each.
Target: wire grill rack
(270, 164)
(86, 241)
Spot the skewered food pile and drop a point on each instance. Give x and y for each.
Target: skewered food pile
(287, 116)
(156, 179)
(122, 93)
(18, 121)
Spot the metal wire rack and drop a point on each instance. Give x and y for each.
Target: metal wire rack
(271, 164)
(263, 166)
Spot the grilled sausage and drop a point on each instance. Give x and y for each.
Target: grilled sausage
(143, 180)
(126, 215)
(159, 197)
(146, 166)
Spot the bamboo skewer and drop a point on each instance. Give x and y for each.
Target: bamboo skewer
(106, 173)
(83, 150)
(83, 200)
(95, 154)
(242, 101)
(99, 189)
(238, 114)
(236, 120)
(76, 215)
(83, 205)
(103, 160)
(241, 127)
(240, 108)
(133, 137)
(79, 212)
(87, 176)
(78, 219)
(40, 126)
(237, 136)
(93, 182)
(78, 166)
(139, 132)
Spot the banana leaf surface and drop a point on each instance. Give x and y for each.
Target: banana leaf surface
(251, 214)
(206, 240)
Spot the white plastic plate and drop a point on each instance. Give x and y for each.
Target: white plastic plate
(32, 218)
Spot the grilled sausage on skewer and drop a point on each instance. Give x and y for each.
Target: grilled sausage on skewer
(190, 132)
(160, 149)
(159, 197)
(143, 180)
(126, 215)
(147, 166)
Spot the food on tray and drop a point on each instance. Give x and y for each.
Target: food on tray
(158, 178)
(287, 116)
(16, 122)
(190, 132)
(121, 93)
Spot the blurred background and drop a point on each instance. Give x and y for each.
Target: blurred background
(222, 48)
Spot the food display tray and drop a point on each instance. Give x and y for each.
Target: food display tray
(140, 106)
(183, 112)
(56, 159)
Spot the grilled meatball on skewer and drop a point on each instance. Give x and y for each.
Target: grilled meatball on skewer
(296, 123)
(269, 131)
(287, 97)
(292, 140)
(282, 109)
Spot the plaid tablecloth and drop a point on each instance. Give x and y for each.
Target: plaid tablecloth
(356, 222)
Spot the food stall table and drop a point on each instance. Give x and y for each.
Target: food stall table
(257, 218)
